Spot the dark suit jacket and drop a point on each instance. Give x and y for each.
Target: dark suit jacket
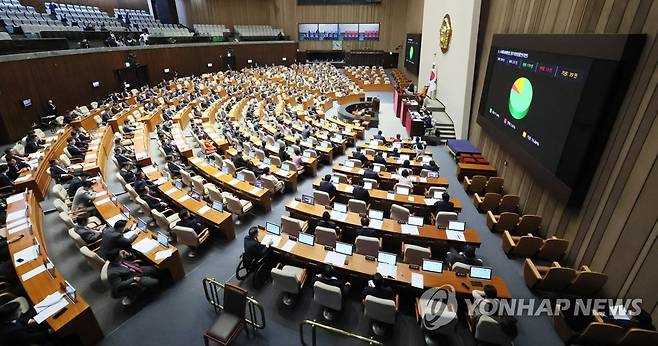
(192, 223)
(380, 160)
(113, 241)
(443, 206)
(383, 292)
(31, 147)
(327, 187)
(128, 176)
(361, 193)
(370, 174)
(367, 232)
(18, 333)
(57, 171)
(5, 180)
(75, 151)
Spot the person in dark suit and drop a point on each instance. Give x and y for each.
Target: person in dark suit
(127, 173)
(141, 181)
(74, 150)
(377, 288)
(128, 279)
(87, 231)
(328, 276)
(283, 155)
(113, 240)
(327, 223)
(5, 181)
(431, 166)
(173, 166)
(32, 144)
(189, 221)
(121, 157)
(59, 172)
(379, 136)
(466, 257)
(361, 193)
(327, 186)
(365, 230)
(358, 155)
(253, 249)
(444, 204)
(20, 330)
(239, 161)
(150, 197)
(14, 168)
(379, 158)
(370, 173)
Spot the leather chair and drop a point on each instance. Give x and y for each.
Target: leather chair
(488, 331)
(488, 202)
(326, 237)
(187, 236)
(186, 177)
(528, 224)
(322, 198)
(249, 176)
(260, 155)
(329, 297)
(121, 180)
(292, 226)
(596, 332)
(475, 184)
(131, 192)
(374, 183)
(355, 163)
(443, 218)
(275, 161)
(434, 190)
(79, 242)
(380, 311)
(342, 178)
(509, 203)
(494, 184)
(238, 206)
(200, 185)
(231, 321)
(587, 283)
(290, 280)
(400, 213)
(553, 249)
(143, 206)
(553, 278)
(230, 167)
(524, 246)
(293, 168)
(217, 195)
(368, 246)
(357, 206)
(165, 219)
(414, 254)
(93, 259)
(639, 337)
(505, 221)
(448, 320)
(270, 184)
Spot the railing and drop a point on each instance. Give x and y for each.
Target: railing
(213, 291)
(314, 326)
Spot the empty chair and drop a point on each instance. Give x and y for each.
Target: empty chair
(342, 178)
(435, 191)
(639, 337)
(330, 297)
(322, 198)
(231, 321)
(488, 331)
(326, 236)
(230, 167)
(414, 254)
(494, 184)
(368, 246)
(374, 183)
(553, 249)
(237, 206)
(553, 278)
(523, 246)
(381, 312)
(215, 194)
(143, 206)
(475, 184)
(186, 177)
(502, 222)
(357, 206)
(443, 218)
(93, 259)
(354, 163)
(275, 161)
(400, 213)
(596, 332)
(164, 221)
(187, 236)
(270, 184)
(290, 280)
(249, 176)
(490, 201)
(587, 283)
(292, 226)
(509, 203)
(528, 224)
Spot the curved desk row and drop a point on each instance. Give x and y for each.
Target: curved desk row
(99, 151)
(388, 179)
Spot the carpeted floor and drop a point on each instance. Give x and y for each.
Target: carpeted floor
(179, 315)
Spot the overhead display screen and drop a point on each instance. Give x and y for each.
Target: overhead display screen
(412, 53)
(338, 32)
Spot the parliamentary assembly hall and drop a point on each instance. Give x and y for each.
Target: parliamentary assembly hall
(328, 172)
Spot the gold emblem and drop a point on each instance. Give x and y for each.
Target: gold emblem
(446, 34)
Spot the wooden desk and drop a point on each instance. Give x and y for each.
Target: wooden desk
(288, 177)
(180, 142)
(358, 265)
(350, 98)
(153, 119)
(258, 196)
(38, 179)
(393, 163)
(141, 146)
(99, 151)
(360, 130)
(390, 149)
(120, 118)
(387, 180)
(471, 169)
(389, 227)
(77, 318)
(110, 210)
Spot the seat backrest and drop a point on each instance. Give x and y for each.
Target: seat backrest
(477, 183)
(104, 268)
(60, 205)
(434, 189)
(588, 283)
(160, 219)
(414, 254)
(373, 182)
(597, 333)
(357, 206)
(249, 176)
(275, 160)
(77, 239)
(94, 261)
(143, 205)
(322, 198)
(490, 202)
(509, 203)
(186, 177)
(327, 295)
(368, 246)
(342, 178)
(290, 226)
(553, 249)
(557, 279)
(400, 213)
(198, 183)
(528, 224)
(230, 167)
(507, 221)
(233, 205)
(268, 183)
(489, 331)
(443, 218)
(639, 337)
(378, 309)
(214, 193)
(527, 246)
(186, 235)
(64, 216)
(235, 300)
(285, 280)
(495, 184)
(325, 236)
(355, 162)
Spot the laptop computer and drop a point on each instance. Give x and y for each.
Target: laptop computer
(376, 214)
(335, 179)
(306, 239)
(386, 257)
(402, 190)
(195, 195)
(308, 199)
(456, 226)
(344, 248)
(480, 273)
(340, 207)
(349, 164)
(272, 228)
(307, 154)
(240, 176)
(141, 225)
(163, 239)
(404, 157)
(178, 184)
(432, 266)
(219, 206)
(125, 210)
(416, 220)
(367, 185)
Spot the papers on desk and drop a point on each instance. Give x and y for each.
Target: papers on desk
(17, 223)
(160, 255)
(287, 247)
(430, 201)
(422, 179)
(274, 238)
(146, 245)
(91, 156)
(455, 235)
(254, 190)
(160, 181)
(111, 221)
(233, 181)
(103, 201)
(376, 224)
(19, 227)
(335, 258)
(15, 198)
(26, 255)
(410, 198)
(183, 198)
(360, 171)
(409, 229)
(349, 188)
(387, 270)
(23, 178)
(49, 306)
(390, 195)
(140, 155)
(417, 280)
(129, 234)
(15, 215)
(203, 209)
(338, 216)
(148, 169)
(100, 193)
(170, 191)
(36, 271)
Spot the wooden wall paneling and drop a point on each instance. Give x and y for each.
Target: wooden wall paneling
(645, 280)
(105, 5)
(612, 230)
(229, 12)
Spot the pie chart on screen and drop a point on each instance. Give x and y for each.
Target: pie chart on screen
(520, 98)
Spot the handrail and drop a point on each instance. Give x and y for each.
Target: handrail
(212, 289)
(314, 325)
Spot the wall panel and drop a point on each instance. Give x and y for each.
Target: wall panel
(105, 5)
(615, 228)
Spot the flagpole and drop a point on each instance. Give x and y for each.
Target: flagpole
(436, 76)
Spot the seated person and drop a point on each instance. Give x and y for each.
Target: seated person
(239, 162)
(122, 158)
(370, 173)
(141, 181)
(297, 159)
(128, 127)
(444, 204)
(125, 150)
(5, 181)
(466, 257)
(327, 186)
(129, 279)
(174, 166)
(488, 296)
(127, 173)
(59, 172)
(84, 197)
(397, 138)
(189, 221)
(20, 329)
(379, 136)
(328, 276)
(431, 166)
(151, 198)
(277, 183)
(283, 155)
(75, 183)
(15, 168)
(253, 249)
(379, 158)
(360, 193)
(327, 223)
(208, 145)
(74, 150)
(112, 240)
(32, 145)
(404, 178)
(88, 231)
(377, 288)
(365, 230)
(358, 155)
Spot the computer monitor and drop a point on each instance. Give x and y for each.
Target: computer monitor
(308, 199)
(252, 154)
(344, 248)
(125, 210)
(306, 239)
(272, 228)
(285, 167)
(367, 185)
(267, 161)
(290, 150)
(402, 190)
(437, 194)
(339, 137)
(404, 157)
(432, 174)
(178, 184)
(219, 206)
(335, 179)
(240, 176)
(377, 168)
(307, 154)
(386, 257)
(349, 164)
(432, 266)
(376, 214)
(480, 273)
(225, 169)
(195, 195)
(141, 224)
(260, 184)
(416, 220)
(163, 239)
(456, 226)
(427, 159)
(340, 207)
